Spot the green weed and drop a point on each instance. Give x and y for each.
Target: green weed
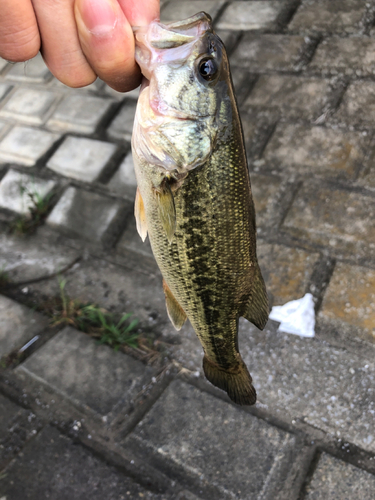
(27, 224)
(92, 319)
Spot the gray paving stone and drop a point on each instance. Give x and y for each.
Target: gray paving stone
(3, 63)
(79, 113)
(335, 218)
(259, 15)
(266, 52)
(17, 426)
(29, 105)
(5, 88)
(84, 214)
(333, 16)
(81, 159)
(286, 271)
(130, 240)
(337, 480)
(18, 324)
(357, 106)
(349, 56)
(350, 298)
(89, 374)
(294, 97)
(33, 258)
(211, 441)
(4, 127)
(33, 71)
(330, 388)
(316, 150)
(182, 9)
(15, 188)
(26, 145)
(122, 126)
(53, 466)
(123, 181)
(264, 189)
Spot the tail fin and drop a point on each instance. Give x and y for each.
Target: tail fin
(235, 381)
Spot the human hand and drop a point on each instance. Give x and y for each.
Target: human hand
(79, 39)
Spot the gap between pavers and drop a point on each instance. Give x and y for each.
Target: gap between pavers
(222, 449)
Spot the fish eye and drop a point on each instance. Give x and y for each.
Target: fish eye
(208, 68)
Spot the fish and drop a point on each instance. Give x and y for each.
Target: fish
(194, 198)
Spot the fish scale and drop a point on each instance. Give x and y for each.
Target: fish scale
(200, 218)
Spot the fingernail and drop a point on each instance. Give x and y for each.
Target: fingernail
(98, 16)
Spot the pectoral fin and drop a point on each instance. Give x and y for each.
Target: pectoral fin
(175, 312)
(166, 209)
(257, 309)
(140, 216)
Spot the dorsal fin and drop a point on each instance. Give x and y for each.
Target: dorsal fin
(257, 309)
(175, 312)
(140, 215)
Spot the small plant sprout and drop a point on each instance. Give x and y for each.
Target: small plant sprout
(4, 278)
(92, 319)
(40, 206)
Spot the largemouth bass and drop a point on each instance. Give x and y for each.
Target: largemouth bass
(194, 198)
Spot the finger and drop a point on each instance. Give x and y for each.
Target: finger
(107, 41)
(19, 34)
(61, 49)
(140, 12)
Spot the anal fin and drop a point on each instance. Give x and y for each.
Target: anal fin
(166, 209)
(257, 309)
(175, 312)
(140, 215)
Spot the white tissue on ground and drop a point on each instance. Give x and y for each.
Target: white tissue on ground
(297, 316)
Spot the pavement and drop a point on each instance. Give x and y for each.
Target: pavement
(80, 420)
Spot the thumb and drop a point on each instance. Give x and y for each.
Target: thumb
(107, 41)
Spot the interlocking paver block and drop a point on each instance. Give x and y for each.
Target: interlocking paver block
(182, 9)
(286, 270)
(251, 15)
(33, 258)
(33, 71)
(294, 97)
(200, 434)
(130, 240)
(333, 16)
(264, 189)
(53, 466)
(79, 113)
(348, 56)
(5, 88)
(342, 220)
(358, 105)
(90, 374)
(29, 105)
(15, 188)
(268, 52)
(3, 129)
(350, 297)
(82, 159)
(123, 181)
(26, 145)
(334, 479)
(18, 324)
(84, 214)
(17, 426)
(316, 150)
(122, 126)
(3, 63)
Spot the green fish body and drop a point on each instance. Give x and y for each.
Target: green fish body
(194, 197)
